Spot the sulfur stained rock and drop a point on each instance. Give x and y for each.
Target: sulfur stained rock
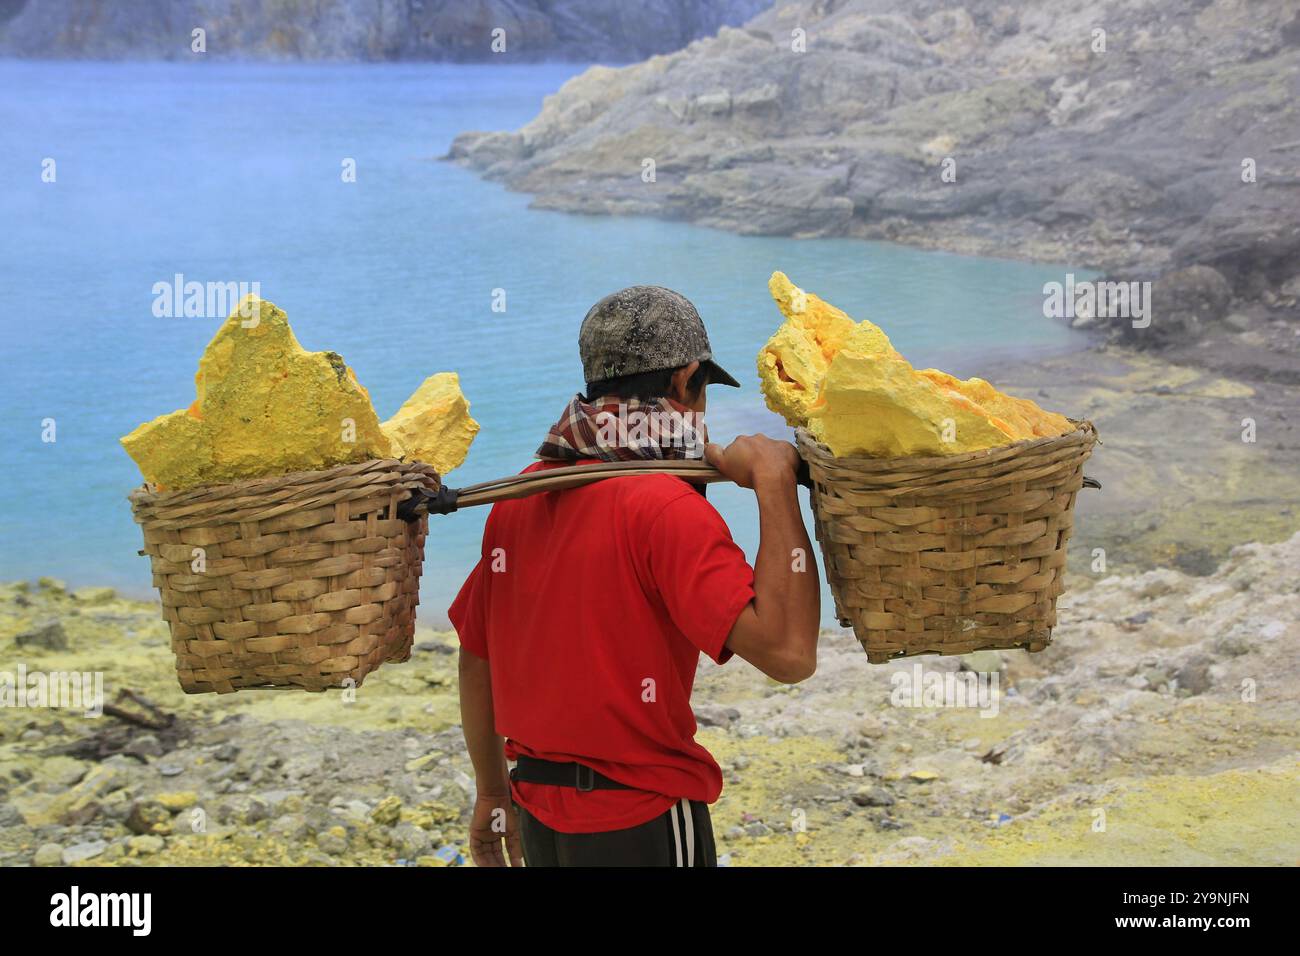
(264, 406)
(434, 424)
(854, 392)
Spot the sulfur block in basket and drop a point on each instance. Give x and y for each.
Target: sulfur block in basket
(854, 392)
(266, 406)
(794, 361)
(271, 517)
(433, 425)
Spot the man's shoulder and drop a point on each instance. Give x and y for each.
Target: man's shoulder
(636, 498)
(650, 497)
(642, 498)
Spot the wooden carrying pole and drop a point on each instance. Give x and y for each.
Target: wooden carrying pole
(575, 476)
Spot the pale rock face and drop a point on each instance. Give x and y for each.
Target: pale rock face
(434, 424)
(851, 389)
(266, 406)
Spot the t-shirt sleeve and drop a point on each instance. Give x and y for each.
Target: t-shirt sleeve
(468, 613)
(700, 573)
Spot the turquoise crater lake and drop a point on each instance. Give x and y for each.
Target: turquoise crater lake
(232, 173)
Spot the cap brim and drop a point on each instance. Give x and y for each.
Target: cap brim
(719, 375)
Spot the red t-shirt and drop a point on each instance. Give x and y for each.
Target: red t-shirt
(592, 606)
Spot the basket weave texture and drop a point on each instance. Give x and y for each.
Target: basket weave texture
(300, 581)
(948, 555)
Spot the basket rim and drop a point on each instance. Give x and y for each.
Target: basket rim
(1084, 432)
(145, 495)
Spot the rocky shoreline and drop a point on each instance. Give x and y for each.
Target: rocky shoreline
(1193, 460)
(991, 129)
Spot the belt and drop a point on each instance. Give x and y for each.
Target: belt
(533, 770)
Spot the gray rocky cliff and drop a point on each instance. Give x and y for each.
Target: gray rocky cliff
(460, 30)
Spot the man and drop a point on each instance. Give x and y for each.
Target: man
(582, 625)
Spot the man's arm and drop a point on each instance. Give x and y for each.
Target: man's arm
(494, 817)
(776, 632)
(485, 746)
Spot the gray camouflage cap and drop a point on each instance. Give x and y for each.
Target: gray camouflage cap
(645, 328)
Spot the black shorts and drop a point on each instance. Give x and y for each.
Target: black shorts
(681, 836)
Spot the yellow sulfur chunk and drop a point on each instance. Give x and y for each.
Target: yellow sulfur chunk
(875, 404)
(793, 363)
(270, 402)
(172, 450)
(855, 393)
(434, 424)
(265, 406)
(1026, 419)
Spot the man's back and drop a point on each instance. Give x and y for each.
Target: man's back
(582, 623)
(592, 606)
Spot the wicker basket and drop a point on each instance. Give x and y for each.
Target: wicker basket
(300, 581)
(952, 554)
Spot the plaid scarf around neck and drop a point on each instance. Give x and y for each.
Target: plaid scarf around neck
(622, 429)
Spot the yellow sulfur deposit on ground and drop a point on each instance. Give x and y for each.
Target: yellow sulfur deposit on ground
(854, 392)
(433, 425)
(266, 406)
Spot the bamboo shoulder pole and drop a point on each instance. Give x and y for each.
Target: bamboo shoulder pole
(575, 476)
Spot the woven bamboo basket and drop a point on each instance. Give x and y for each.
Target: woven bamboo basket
(300, 581)
(948, 555)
